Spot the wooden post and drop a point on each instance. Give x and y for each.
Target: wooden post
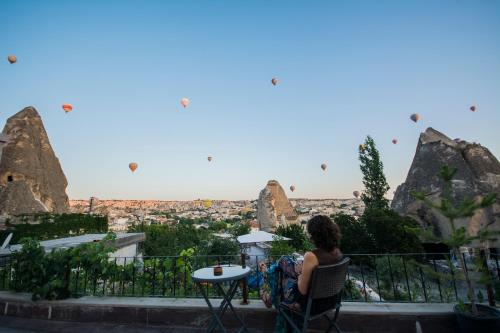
(244, 286)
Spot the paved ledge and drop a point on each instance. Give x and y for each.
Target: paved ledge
(186, 312)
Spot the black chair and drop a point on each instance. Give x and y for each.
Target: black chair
(326, 282)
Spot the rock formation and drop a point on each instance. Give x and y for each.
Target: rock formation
(478, 173)
(31, 178)
(273, 207)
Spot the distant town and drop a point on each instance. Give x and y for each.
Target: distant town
(124, 213)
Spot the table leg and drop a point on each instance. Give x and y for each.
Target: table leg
(223, 306)
(215, 319)
(227, 298)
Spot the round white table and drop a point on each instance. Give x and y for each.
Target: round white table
(232, 274)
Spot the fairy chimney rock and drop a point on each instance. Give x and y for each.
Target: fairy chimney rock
(478, 174)
(31, 178)
(274, 208)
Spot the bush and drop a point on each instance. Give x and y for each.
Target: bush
(240, 228)
(355, 237)
(47, 275)
(165, 240)
(280, 248)
(299, 240)
(50, 226)
(391, 232)
(218, 246)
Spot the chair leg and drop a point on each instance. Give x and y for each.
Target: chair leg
(290, 321)
(305, 325)
(333, 322)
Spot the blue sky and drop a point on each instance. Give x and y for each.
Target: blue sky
(346, 69)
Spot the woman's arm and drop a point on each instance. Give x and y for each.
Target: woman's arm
(309, 264)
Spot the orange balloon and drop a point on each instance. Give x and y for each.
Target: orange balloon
(12, 59)
(133, 166)
(67, 108)
(185, 102)
(274, 81)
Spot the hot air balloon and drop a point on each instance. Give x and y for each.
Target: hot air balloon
(323, 166)
(356, 194)
(292, 188)
(362, 147)
(67, 108)
(132, 166)
(473, 108)
(415, 117)
(185, 102)
(274, 81)
(209, 158)
(12, 59)
(394, 141)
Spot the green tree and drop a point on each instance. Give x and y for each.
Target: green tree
(355, 236)
(391, 232)
(279, 248)
(298, 238)
(218, 226)
(240, 228)
(165, 240)
(373, 176)
(218, 246)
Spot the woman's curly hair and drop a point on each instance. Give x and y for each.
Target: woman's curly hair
(325, 234)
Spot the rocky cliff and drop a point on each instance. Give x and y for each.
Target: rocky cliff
(273, 207)
(31, 178)
(478, 173)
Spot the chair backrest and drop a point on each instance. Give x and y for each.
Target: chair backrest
(328, 280)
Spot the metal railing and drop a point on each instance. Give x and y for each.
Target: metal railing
(413, 277)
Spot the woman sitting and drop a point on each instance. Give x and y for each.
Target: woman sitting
(325, 235)
(296, 274)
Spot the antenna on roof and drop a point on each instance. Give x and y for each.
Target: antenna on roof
(6, 241)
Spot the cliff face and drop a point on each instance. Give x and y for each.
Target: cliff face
(31, 178)
(273, 207)
(478, 173)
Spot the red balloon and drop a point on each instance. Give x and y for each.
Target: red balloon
(67, 107)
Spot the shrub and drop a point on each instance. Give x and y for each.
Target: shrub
(391, 232)
(355, 237)
(47, 275)
(218, 246)
(298, 237)
(50, 226)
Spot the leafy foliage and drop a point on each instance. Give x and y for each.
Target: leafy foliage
(165, 240)
(218, 246)
(391, 232)
(240, 228)
(47, 275)
(373, 176)
(378, 231)
(50, 226)
(355, 237)
(298, 238)
(280, 247)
